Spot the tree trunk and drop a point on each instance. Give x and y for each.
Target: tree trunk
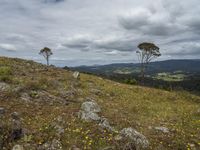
(47, 60)
(142, 73)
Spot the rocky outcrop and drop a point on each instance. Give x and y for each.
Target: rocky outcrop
(138, 139)
(89, 111)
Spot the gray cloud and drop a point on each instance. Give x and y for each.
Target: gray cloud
(98, 29)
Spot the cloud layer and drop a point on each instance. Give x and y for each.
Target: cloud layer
(99, 31)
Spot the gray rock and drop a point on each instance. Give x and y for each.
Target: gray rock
(90, 106)
(51, 145)
(15, 115)
(88, 116)
(60, 130)
(4, 86)
(96, 91)
(104, 123)
(162, 129)
(56, 145)
(2, 111)
(16, 126)
(18, 147)
(76, 75)
(139, 140)
(89, 111)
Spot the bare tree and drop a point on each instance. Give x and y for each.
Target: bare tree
(46, 52)
(146, 53)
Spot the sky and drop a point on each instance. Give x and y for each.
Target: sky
(90, 32)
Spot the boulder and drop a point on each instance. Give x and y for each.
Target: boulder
(88, 116)
(76, 75)
(89, 111)
(139, 140)
(90, 106)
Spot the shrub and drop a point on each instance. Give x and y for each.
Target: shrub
(5, 74)
(130, 81)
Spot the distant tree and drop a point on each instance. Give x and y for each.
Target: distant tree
(46, 52)
(146, 53)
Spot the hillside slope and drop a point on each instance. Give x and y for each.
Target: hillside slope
(46, 100)
(186, 66)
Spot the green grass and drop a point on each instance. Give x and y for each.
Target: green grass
(177, 76)
(124, 106)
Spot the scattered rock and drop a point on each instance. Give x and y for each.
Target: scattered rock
(25, 97)
(90, 106)
(4, 86)
(15, 115)
(18, 147)
(118, 137)
(88, 116)
(96, 91)
(2, 111)
(104, 123)
(89, 111)
(16, 126)
(139, 140)
(162, 129)
(54, 145)
(76, 75)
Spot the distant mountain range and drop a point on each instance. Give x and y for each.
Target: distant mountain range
(187, 66)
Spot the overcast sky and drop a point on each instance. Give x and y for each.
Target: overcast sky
(87, 32)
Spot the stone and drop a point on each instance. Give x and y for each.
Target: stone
(162, 129)
(96, 91)
(16, 126)
(88, 116)
(76, 75)
(2, 111)
(15, 115)
(104, 123)
(56, 145)
(4, 86)
(118, 137)
(18, 147)
(139, 140)
(90, 106)
(89, 111)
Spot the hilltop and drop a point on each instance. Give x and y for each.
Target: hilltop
(44, 104)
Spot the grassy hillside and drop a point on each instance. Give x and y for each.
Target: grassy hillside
(47, 95)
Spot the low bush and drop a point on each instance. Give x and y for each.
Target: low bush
(5, 74)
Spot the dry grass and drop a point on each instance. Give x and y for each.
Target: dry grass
(124, 105)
